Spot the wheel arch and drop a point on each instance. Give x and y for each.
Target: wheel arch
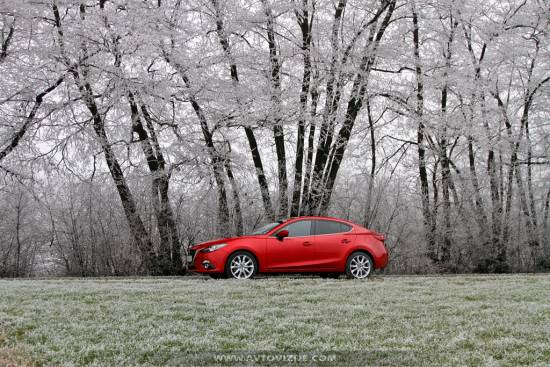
(361, 249)
(242, 249)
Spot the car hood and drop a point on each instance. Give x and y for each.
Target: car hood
(222, 240)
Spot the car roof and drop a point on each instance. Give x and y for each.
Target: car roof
(318, 217)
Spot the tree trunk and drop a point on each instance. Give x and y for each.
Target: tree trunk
(216, 159)
(278, 132)
(304, 23)
(445, 186)
(310, 149)
(433, 252)
(169, 257)
(6, 40)
(18, 235)
(480, 208)
(546, 212)
(484, 264)
(236, 198)
(497, 196)
(217, 169)
(139, 233)
(260, 175)
(532, 206)
(368, 211)
(513, 167)
(444, 158)
(167, 213)
(153, 164)
(420, 136)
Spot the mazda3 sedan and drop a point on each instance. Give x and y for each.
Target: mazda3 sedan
(328, 246)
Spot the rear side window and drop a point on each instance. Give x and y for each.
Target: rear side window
(329, 227)
(299, 229)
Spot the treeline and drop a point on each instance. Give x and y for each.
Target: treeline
(131, 130)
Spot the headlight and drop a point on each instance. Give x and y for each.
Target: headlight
(214, 247)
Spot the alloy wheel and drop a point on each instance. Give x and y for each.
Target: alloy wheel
(360, 266)
(242, 266)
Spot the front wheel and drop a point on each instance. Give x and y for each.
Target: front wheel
(241, 265)
(359, 265)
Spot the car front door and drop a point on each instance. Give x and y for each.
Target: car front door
(332, 239)
(293, 253)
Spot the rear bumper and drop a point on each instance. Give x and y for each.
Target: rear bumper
(379, 254)
(381, 261)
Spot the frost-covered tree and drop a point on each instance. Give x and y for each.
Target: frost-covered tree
(184, 120)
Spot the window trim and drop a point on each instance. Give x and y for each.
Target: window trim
(330, 234)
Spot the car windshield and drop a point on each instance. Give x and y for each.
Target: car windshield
(265, 228)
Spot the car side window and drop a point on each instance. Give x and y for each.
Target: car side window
(329, 227)
(298, 229)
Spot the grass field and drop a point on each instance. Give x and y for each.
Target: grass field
(420, 321)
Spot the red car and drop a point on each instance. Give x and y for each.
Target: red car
(328, 246)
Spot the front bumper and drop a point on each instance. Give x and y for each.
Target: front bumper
(209, 262)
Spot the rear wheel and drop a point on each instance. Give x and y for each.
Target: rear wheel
(359, 265)
(241, 265)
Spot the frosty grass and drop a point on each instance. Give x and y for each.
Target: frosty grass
(428, 321)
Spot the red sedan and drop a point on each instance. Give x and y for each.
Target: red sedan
(328, 246)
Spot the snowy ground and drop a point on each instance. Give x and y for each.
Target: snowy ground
(457, 320)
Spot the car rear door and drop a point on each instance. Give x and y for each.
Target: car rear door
(293, 253)
(332, 239)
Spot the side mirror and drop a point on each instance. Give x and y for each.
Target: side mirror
(282, 234)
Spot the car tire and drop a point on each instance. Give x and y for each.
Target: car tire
(359, 265)
(241, 265)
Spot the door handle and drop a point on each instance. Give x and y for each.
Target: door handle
(307, 243)
(345, 240)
